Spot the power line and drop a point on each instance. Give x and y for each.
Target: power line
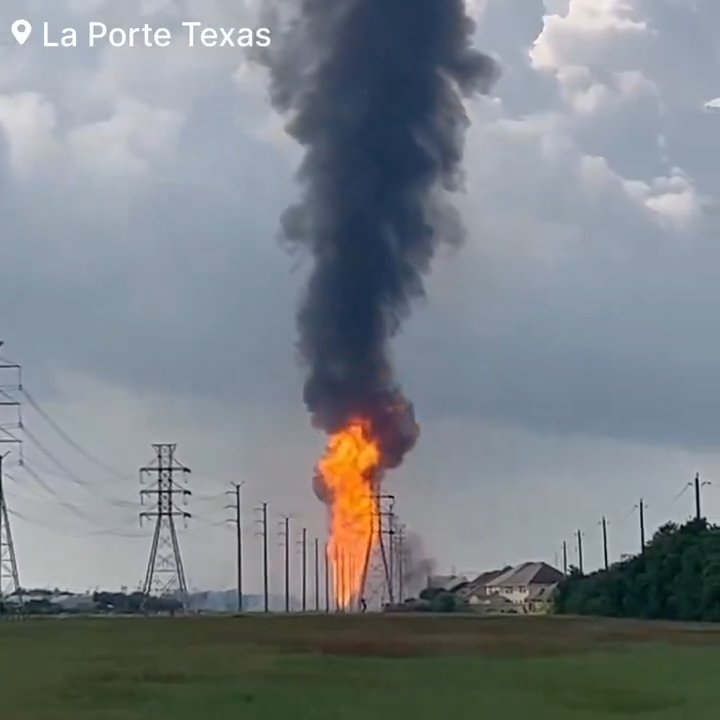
(70, 476)
(54, 459)
(109, 532)
(58, 498)
(69, 440)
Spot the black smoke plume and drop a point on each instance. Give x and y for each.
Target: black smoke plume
(373, 90)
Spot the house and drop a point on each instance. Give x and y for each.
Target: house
(528, 585)
(540, 598)
(449, 583)
(491, 605)
(478, 586)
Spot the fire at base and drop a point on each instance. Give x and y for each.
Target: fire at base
(347, 472)
(348, 481)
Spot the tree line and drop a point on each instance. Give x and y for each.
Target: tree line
(43, 602)
(676, 577)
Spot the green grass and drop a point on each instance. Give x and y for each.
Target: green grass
(347, 668)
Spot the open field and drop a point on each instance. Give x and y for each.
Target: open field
(347, 668)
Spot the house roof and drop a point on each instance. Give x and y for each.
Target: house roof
(526, 574)
(446, 582)
(480, 582)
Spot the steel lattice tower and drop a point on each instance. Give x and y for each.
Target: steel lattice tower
(377, 582)
(9, 576)
(165, 573)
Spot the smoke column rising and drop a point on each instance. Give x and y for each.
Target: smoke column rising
(373, 90)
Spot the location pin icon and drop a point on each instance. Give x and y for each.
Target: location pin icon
(21, 30)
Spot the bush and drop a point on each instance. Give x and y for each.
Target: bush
(443, 602)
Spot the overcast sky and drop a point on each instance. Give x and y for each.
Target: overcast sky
(564, 365)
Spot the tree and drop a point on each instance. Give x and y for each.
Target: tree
(676, 578)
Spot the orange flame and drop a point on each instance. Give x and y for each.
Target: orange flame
(347, 470)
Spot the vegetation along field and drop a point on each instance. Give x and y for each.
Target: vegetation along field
(347, 668)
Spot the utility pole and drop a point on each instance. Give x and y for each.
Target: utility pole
(286, 541)
(317, 575)
(165, 572)
(698, 486)
(580, 552)
(336, 578)
(304, 569)
(565, 558)
(401, 563)
(266, 596)
(263, 522)
(641, 508)
(238, 527)
(391, 551)
(605, 543)
(327, 580)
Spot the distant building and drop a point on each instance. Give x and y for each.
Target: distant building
(51, 601)
(529, 585)
(522, 589)
(75, 603)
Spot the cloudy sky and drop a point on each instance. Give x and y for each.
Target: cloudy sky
(564, 364)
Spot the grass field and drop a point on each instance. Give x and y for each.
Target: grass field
(346, 668)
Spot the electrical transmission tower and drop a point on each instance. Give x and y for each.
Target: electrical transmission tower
(377, 583)
(165, 573)
(9, 576)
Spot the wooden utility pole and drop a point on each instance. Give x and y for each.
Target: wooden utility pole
(237, 506)
(286, 537)
(266, 592)
(401, 563)
(304, 569)
(336, 579)
(327, 580)
(580, 552)
(641, 508)
(317, 575)
(565, 558)
(605, 543)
